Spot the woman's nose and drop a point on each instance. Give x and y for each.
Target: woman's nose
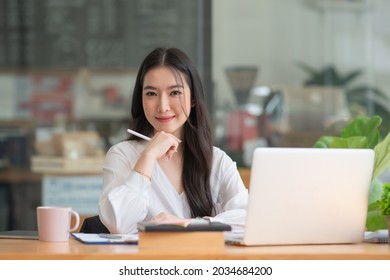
(163, 105)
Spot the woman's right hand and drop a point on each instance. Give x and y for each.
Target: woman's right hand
(162, 144)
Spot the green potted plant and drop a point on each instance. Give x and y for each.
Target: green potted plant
(363, 132)
(362, 98)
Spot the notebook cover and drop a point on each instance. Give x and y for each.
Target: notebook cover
(179, 240)
(212, 226)
(103, 238)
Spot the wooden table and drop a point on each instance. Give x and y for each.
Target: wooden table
(74, 250)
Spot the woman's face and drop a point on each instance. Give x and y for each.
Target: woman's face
(166, 99)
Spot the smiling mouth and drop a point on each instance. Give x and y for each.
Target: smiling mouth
(165, 119)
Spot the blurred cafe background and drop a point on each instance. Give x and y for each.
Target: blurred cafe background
(278, 73)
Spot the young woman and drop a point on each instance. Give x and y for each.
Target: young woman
(178, 173)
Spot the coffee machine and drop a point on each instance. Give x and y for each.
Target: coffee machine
(241, 121)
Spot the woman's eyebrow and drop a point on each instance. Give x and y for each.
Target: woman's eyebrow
(154, 88)
(149, 87)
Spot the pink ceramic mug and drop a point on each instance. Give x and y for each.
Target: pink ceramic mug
(54, 223)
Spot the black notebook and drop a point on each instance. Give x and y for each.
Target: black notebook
(19, 234)
(210, 226)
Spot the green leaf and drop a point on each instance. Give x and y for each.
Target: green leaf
(360, 92)
(375, 221)
(357, 142)
(323, 142)
(328, 75)
(382, 156)
(307, 68)
(351, 76)
(375, 192)
(364, 126)
(373, 206)
(339, 143)
(384, 202)
(331, 77)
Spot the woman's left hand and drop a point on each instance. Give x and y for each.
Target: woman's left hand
(165, 217)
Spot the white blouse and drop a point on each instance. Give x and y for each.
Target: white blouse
(129, 198)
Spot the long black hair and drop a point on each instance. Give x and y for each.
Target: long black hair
(198, 140)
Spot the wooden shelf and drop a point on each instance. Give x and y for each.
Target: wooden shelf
(64, 166)
(19, 176)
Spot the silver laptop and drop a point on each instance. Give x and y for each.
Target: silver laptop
(307, 196)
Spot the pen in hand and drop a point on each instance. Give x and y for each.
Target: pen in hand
(148, 139)
(139, 135)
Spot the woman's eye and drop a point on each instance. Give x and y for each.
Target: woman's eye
(150, 93)
(176, 92)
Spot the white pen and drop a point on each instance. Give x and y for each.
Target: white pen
(139, 135)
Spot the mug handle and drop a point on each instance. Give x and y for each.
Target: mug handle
(77, 216)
